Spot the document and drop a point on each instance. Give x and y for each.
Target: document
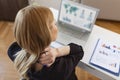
(106, 56)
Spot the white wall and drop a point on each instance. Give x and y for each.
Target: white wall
(109, 9)
(49, 3)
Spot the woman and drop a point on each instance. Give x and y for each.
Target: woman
(34, 59)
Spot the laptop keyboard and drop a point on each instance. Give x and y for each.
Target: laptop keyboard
(66, 39)
(68, 35)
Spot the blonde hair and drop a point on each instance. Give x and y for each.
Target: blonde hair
(32, 32)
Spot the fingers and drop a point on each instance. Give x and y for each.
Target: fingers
(47, 49)
(47, 58)
(45, 62)
(48, 65)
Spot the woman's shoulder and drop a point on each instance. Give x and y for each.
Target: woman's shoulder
(12, 50)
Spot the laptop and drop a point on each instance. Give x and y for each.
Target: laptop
(75, 22)
(77, 15)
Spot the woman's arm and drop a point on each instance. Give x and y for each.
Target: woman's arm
(72, 50)
(62, 51)
(49, 57)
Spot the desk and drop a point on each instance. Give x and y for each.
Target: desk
(96, 33)
(88, 47)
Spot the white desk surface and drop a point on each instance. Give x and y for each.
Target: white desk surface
(89, 45)
(104, 34)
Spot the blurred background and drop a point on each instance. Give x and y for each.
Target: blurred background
(9, 8)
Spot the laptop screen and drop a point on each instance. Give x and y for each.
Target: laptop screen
(77, 15)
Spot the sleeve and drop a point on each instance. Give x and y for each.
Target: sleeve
(66, 64)
(76, 51)
(12, 50)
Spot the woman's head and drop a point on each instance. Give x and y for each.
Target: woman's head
(34, 28)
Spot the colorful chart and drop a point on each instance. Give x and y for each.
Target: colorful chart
(106, 56)
(77, 15)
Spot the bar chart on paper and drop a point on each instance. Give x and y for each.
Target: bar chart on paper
(106, 56)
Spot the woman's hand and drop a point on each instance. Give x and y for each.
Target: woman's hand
(51, 53)
(49, 57)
